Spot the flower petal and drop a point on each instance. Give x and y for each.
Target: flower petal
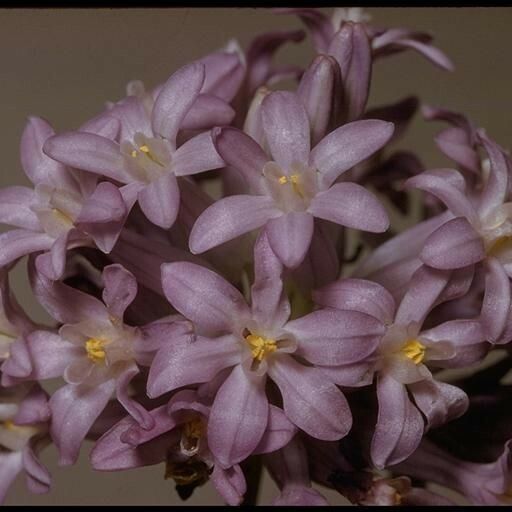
(496, 303)
(242, 153)
(105, 204)
(453, 245)
(10, 465)
(357, 295)
(286, 127)
(425, 287)
(160, 200)
(191, 363)
(347, 146)
(89, 152)
(207, 111)
(439, 183)
(229, 483)
(37, 476)
(399, 426)
(279, 432)
(15, 209)
(351, 205)
(335, 337)
(229, 218)
(120, 289)
(175, 99)
(270, 306)
(290, 237)
(351, 48)
(438, 401)
(238, 418)
(203, 296)
(19, 242)
(198, 154)
(310, 400)
(74, 410)
(319, 90)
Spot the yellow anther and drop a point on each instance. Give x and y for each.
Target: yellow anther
(294, 178)
(134, 153)
(498, 245)
(414, 350)
(283, 180)
(10, 425)
(260, 347)
(95, 350)
(144, 149)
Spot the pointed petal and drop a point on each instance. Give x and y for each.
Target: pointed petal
(351, 205)
(438, 401)
(496, 303)
(453, 245)
(399, 426)
(89, 152)
(286, 127)
(358, 295)
(351, 48)
(203, 296)
(229, 218)
(495, 191)
(207, 111)
(74, 410)
(425, 287)
(160, 200)
(120, 289)
(238, 418)
(310, 400)
(37, 476)
(229, 483)
(175, 99)
(17, 243)
(242, 153)
(438, 183)
(105, 204)
(10, 465)
(198, 154)
(320, 91)
(64, 303)
(430, 52)
(279, 432)
(191, 363)
(53, 263)
(134, 408)
(270, 306)
(15, 209)
(348, 145)
(334, 337)
(290, 237)
(37, 166)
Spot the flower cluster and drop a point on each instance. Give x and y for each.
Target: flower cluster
(219, 333)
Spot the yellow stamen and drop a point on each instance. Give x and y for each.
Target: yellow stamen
(134, 153)
(283, 180)
(62, 216)
(414, 350)
(260, 347)
(28, 430)
(95, 350)
(501, 243)
(144, 149)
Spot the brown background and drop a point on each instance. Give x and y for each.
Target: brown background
(64, 64)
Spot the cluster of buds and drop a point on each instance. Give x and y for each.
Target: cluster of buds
(191, 244)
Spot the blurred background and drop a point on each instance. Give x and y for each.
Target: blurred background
(64, 64)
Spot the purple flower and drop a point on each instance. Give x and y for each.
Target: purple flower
(482, 483)
(401, 357)
(179, 438)
(247, 344)
(95, 352)
(147, 156)
(24, 415)
(295, 184)
(66, 208)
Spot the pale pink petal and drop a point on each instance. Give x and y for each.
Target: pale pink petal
(350, 205)
(238, 418)
(15, 209)
(229, 218)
